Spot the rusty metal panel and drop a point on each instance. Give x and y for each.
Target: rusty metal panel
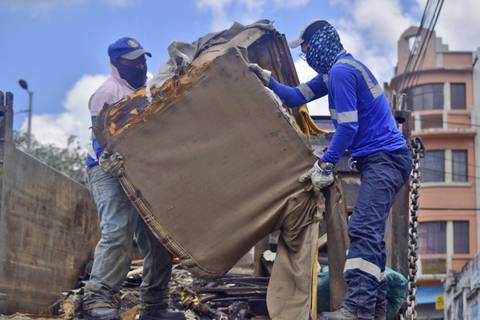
(48, 230)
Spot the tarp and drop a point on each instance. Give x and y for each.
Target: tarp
(212, 164)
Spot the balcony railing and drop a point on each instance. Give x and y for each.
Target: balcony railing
(441, 119)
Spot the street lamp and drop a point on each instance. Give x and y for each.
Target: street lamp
(24, 86)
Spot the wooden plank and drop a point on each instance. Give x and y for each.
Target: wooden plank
(397, 237)
(337, 241)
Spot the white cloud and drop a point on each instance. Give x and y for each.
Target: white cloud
(73, 120)
(218, 11)
(372, 38)
(459, 24)
(305, 73)
(225, 12)
(290, 3)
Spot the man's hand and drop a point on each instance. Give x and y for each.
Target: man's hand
(112, 163)
(321, 175)
(262, 74)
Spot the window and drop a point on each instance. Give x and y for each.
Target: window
(430, 121)
(461, 237)
(459, 303)
(411, 43)
(425, 97)
(432, 166)
(432, 237)
(474, 311)
(457, 96)
(459, 165)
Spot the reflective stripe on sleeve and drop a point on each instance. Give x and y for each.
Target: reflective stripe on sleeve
(365, 266)
(375, 89)
(91, 152)
(348, 116)
(333, 114)
(306, 91)
(325, 79)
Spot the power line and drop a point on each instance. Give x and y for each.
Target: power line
(450, 173)
(421, 56)
(449, 209)
(469, 125)
(415, 45)
(419, 40)
(456, 161)
(426, 40)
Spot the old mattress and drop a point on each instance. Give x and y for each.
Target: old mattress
(212, 164)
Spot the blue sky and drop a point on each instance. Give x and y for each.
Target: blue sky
(60, 46)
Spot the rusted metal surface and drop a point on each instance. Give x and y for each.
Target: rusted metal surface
(48, 228)
(397, 228)
(337, 241)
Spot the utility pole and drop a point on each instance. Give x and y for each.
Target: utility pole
(24, 86)
(397, 230)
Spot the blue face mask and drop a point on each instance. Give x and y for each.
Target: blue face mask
(133, 71)
(323, 49)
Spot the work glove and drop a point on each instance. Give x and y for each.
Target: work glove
(112, 163)
(321, 175)
(262, 74)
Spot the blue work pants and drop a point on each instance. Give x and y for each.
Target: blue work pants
(382, 175)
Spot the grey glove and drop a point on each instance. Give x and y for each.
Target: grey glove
(262, 74)
(321, 176)
(112, 163)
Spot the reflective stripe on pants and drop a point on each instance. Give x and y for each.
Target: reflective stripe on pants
(382, 175)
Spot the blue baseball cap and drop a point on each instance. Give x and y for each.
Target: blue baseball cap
(127, 48)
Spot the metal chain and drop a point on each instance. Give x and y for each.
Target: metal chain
(417, 153)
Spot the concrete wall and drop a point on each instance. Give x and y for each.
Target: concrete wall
(48, 228)
(462, 296)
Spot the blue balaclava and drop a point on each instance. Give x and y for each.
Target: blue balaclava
(135, 75)
(324, 47)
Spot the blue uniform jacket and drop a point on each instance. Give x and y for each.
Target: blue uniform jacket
(358, 107)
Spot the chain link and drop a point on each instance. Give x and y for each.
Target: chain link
(417, 153)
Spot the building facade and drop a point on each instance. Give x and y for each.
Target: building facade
(462, 294)
(444, 102)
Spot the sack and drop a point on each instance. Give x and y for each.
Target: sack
(396, 292)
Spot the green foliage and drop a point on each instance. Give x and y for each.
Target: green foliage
(69, 160)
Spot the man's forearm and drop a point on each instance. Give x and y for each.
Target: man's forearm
(342, 140)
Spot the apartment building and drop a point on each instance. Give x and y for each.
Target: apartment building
(441, 93)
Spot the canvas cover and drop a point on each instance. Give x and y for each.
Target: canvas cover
(212, 164)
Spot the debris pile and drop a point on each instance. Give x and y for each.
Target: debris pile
(233, 296)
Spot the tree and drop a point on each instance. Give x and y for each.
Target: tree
(69, 160)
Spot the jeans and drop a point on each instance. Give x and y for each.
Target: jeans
(382, 175)
(120, 224)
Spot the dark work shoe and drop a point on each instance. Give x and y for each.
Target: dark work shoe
(102, 313)
(340, 314)
(161, 314)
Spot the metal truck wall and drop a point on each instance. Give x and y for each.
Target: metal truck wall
(48, 228)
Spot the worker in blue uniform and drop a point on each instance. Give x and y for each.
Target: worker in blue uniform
(366, 128)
